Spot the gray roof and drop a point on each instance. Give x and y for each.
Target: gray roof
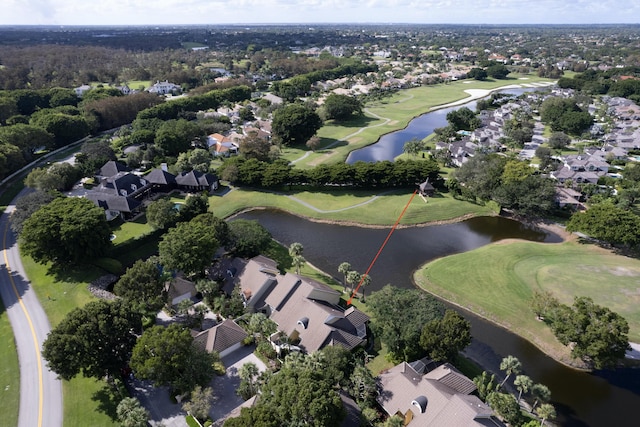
(158, 176)
(113, 202)
(221, 337)
(196, 179)
(112, 167)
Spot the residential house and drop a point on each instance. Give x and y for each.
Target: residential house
(441, 397)
(179, 289)
(164, 88)
(125, 184)
(80, 90)
(223, 338)
(115, 205)
(112, 168)
(161, 180)
(568, 197)
(197, 181)
(305, 311)
(222, 145)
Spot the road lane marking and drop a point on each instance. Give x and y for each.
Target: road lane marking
(33, 330)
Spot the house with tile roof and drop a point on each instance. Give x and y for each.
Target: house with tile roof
(440, 397)
(302, 308)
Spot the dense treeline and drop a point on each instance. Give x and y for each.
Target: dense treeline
(624, 82)
(211, 100)
(402, 173)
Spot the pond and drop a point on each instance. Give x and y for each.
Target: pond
(391, 145)
(581, 399)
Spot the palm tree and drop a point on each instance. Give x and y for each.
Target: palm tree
(541, 393)
(546, 411)
(523, 383)
(298, 261)
(131, 413)
(510, 365)
(295, 249)
(365, 281)
(344, 268)
(249, 374)
(353, 277)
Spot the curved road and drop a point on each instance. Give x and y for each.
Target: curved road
(40, 390)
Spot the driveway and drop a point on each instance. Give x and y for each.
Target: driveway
(224, 387)
(164, 412)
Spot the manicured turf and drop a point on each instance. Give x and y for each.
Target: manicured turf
(497, 282)
(9, 373)
(58, 295)
(388, 115)
(358, 206)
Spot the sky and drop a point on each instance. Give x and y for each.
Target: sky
(211, 12)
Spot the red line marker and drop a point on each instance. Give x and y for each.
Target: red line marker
(355, 292)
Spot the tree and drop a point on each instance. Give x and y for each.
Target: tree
(341, 107)
(189, 247)
(167, 356)
(94, 340)
(344, 268)
(295, 252)
(26, 206)
(398, 316)
(67, 230)
(506, 406)
(65, 128)
(523, 384)
(413, 147)
(510, 365)
(485, 384)
(254, 146)
(313, 143)
(221, 227)
(353, 278)
(59, 176)
(162, 213)
(365, 280)
(248, 387)
(546, 411)
(444, 338)
(598, 335)
(200, 402)
(477, 74)
(362, 386)
(248, 237)
(176, 136)
(141, 285)
(463, 119)
(302, 394)
(298, 261)
(294, 124)
(607, 222)
(26, 137)
(540, 393)
(93, 155)
(131, 413)
(559, 140)
(194, 205)
(498, 71)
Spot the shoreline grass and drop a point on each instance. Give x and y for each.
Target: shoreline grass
(366, 208)
(506, 274)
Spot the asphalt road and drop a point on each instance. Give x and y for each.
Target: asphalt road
(40, 390)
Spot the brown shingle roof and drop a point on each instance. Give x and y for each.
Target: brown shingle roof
(220, 337)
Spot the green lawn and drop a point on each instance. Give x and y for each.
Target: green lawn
(83, 400)
(9, 373)
(360, 206)
(497, 282)
(388, 115)
(131, 230)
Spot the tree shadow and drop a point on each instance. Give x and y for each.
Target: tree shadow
(107, 399)
(356, 122)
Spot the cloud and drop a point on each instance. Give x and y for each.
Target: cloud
(160, 12)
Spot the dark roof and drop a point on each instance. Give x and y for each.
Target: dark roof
(196, 179)
(158, 176)
(112, 201)
(124, 182)
(220, 337)
(112, 167)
